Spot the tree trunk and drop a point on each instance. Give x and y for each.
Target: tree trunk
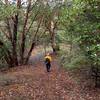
(29, 53)
(53, 43)
(52, 33)
(14, 42)
(34, 42)
(24, 32)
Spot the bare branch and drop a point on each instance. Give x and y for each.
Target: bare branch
(32, 21)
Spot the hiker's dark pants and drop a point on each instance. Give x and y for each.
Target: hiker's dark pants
(48, 65)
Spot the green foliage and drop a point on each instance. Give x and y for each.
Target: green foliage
(76, 61)
(6, 11)
(81, 21)
(72, 59)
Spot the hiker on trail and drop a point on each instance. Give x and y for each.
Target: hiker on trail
(48, 62)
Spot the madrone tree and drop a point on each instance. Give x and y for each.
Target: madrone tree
(20, 23)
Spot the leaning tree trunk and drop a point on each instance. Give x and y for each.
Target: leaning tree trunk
(33, 42)
(29, 53)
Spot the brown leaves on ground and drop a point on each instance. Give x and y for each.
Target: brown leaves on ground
(34, 83)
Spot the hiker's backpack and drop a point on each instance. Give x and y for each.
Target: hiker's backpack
(47, 60)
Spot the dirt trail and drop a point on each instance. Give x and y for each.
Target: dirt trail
(34, 83)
